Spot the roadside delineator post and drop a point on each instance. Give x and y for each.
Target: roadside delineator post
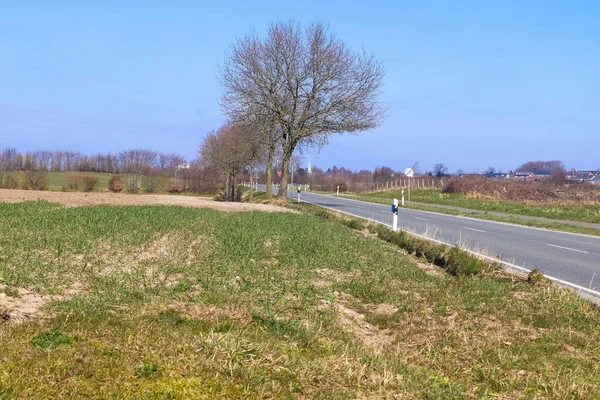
(338, 192)
(395, 215)
(402, 197)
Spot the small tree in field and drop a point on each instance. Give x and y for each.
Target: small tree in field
(307, 81)
(228, 150)
(440, 170)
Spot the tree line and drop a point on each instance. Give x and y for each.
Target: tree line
(142, 161)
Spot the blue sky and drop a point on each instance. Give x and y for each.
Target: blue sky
(471, 84)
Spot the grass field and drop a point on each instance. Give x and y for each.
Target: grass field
(573, 212)
(57, 181)
(173, 302)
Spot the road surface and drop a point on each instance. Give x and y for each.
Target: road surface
(566, 258)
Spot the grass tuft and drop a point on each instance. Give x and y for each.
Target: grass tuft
(51, 339)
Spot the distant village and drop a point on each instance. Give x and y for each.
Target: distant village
(573, 176)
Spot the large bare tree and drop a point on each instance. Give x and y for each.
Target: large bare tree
(305, 80)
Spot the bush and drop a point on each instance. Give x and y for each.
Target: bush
(154, 183)
(115, 184)
(133, 185)
(8, 181)
(73, 180)
(89, 182)
(175, 188)
(35, 180)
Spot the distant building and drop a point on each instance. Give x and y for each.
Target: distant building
(183, 166)
(523, 174)
(308, 170)
(497, 175)
(582, 176)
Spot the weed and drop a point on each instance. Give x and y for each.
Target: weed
(51, 339)
(145, 370)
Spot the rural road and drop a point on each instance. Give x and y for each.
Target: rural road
(572, 258)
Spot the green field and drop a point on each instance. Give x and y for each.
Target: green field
(573, 212)
(173, 302)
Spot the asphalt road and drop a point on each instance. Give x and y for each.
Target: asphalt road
(567, 258)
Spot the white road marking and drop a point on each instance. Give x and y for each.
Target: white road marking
(567, 248)
(360, 206)
(422, 219)
(473, 229)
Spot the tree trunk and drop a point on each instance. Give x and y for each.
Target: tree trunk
(233, 188)
(270, 171)
(251, 181)
(283, 183)
(226, 194)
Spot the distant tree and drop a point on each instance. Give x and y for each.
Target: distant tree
(416, 168)
(541, 167)
(558, 176)
(439, 170)
(305, 80)
(8, 159)
(490, 170)
(228, 150)
(382, 174)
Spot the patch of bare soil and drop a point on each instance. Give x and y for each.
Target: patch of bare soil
(354, 322)
(20, 304)
(78, 199)
(382, 309)
(211, 313)
(327, 276)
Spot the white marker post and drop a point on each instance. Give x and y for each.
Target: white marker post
(409, 174)
(402, 197)
(337, 194)
(395, 217)
(298, 193)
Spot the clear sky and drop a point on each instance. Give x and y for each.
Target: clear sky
(471, 84)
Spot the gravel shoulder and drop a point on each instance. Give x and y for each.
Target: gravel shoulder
(79, 199)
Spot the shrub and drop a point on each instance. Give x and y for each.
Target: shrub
(133, 185)
(115, 184)
(35, 180)
(89, 182)
(73, 181)
(175, 188)
(8, 181)
(151, 183)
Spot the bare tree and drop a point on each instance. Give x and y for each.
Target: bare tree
(8, 159)
(57, 160)
(439, 170)
(228, 150)
(306, 80)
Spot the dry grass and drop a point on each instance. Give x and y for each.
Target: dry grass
(522, 192)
